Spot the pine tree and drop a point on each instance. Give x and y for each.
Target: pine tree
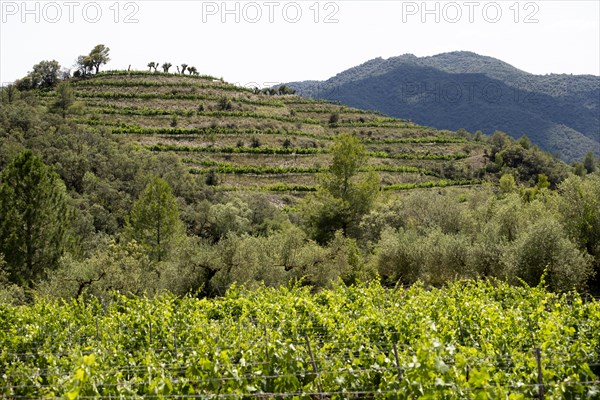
(154, 220)
(34, 218)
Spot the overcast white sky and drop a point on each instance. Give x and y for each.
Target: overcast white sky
(280, 41)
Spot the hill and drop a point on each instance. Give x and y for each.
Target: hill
(560, 113)
(145, 182)
(256, 141)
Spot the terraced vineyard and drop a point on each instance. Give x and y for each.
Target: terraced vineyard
(254, 141)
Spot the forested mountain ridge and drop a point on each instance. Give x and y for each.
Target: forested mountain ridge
(560, 113)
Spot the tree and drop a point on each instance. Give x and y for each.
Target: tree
(98, 56)
(283, 89)
(154, 221)
(166, 67)
(545, 247)
(589, 162)
(183, 68)
(34, 218)
(579, 207)
(211, 178)
(525, 142)
(45, 74)
(9, 94)
(343, 197)
(65, 99)
(334, 119)
(84, 67)
(192, 70)
(499, 141)
(152, 66)
(507, 184)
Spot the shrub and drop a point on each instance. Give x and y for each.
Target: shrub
(544, 246)
(211, 178)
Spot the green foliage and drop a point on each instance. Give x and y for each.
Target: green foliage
(334, 119)
(211, 178)
(230, 218)
(236, 149)
(544, 248)
(283, 90)
(9, 94)
(525, 142)
(432, 239)
(431, 184)
(10, 293)
(225, 104)
(589, 162)
(125, 268)
(466, 340)
(166, 66)
(65, 99)
(45, 74)
(154, 220)
(34, 218)
(344, 196)
(98, 56)
(580, 213)
(152, 66)
(438, 218)
(507, 184)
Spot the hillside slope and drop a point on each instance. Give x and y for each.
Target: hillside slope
(255, 141)
(560, 113)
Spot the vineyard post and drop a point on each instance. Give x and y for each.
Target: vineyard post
(538, 359)
(175, 340)
(266, 341)
(269, 379)
(397, 361)
(314, 365)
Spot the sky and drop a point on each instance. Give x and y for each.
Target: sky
(262, 43)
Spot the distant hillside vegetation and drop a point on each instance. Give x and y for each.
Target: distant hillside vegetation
(559, 113)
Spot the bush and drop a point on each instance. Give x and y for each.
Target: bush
(225, 104)
(211, 178)
(334, 119)
(397, 258)
(544, 247)
(255, 142)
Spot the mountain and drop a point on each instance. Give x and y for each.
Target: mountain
(559, 113)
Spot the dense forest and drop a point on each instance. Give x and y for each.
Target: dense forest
(87, 209)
